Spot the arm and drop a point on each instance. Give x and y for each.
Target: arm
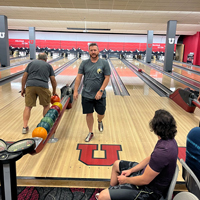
(105, 83)
(137, 168)
(76, 86)
(144, 179)
(198, 98)
(24, 79)
(54, 84)
(141, 165)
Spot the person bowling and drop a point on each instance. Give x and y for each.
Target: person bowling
(96, 72)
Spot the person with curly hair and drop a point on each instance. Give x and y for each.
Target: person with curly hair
(149, 179)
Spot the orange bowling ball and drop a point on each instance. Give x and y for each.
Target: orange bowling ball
(54, 99)
(40, 132)
(58, 104)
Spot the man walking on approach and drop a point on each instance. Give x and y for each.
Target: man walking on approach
(96, 73)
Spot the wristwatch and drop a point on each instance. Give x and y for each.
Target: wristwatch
(101, 90)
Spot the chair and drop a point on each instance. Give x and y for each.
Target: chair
(185, 196)
(192, 182)
(172, 185)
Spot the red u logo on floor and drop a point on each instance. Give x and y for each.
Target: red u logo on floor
(86, 155)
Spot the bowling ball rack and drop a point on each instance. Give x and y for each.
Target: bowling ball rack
(11, 152)
(66, 98)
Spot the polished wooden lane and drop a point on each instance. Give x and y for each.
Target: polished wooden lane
(165, 80)
(184, 72)
(125, 124)
(7, 71)
(12, 61)
(68, 75)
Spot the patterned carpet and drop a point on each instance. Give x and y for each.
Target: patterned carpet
(47, 193)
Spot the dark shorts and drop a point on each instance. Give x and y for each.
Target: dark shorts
(128, 191)
(31, 94)
(89, 105)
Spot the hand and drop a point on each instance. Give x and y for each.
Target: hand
(198, 99)
(98, 95)
(75, 95)
(122, 179)
(54, 94)
(126, 173)
(22, 92)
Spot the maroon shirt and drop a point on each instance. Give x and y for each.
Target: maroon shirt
(163, 160)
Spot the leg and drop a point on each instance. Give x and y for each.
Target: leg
(115, 172)
(104, 195)
(26, 115)
(126, 191)
(100, 117)
(87, 105)
(90, 121)
(100, 107)
(45, 98)
(45, 109)
(30, 101)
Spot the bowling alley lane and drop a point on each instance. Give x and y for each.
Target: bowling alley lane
(13, 61)
(132, 82)
(4, 72)
(10, 91)
(68, 75)
(188, 74)
(59, 63)
(197, 68)
(125, 124)
(163, 79)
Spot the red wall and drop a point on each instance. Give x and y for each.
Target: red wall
(198, 51)
(84, 45)
(192, 44)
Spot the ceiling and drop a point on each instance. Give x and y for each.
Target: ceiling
(120, 16)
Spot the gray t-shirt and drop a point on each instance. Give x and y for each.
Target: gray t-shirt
(94, 75)
(38, 73)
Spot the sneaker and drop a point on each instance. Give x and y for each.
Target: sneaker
(89, 137)
(96, 196)
(25, 130)
(100, 126)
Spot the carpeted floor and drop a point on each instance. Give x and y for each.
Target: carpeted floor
(47, 193)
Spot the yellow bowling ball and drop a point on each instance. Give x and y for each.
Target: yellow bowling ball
(58, 104)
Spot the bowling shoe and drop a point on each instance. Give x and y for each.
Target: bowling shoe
(96, 196)
(89, 137)
(100, 126)
(25, 130)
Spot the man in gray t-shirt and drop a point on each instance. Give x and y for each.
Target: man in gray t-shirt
(96, 73)
(36, 78)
